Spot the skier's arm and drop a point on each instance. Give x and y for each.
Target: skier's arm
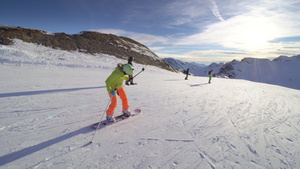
(126, 78)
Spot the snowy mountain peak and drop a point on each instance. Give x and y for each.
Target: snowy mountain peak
(295, 58)
(281, 71)
(253, 60)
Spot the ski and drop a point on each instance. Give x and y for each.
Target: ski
(118, 119)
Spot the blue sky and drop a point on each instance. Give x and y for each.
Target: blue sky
(203, 31)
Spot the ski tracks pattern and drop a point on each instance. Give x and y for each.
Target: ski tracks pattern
(238, 144)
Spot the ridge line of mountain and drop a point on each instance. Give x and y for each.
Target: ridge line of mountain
(86, 42)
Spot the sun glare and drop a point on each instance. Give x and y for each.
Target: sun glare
(256, 38)
(257, 33)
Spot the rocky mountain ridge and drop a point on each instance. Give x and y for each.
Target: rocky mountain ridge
(86, 42)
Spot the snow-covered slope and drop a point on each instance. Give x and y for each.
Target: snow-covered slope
(49, 98)
(283, 71)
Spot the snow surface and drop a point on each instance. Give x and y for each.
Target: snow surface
(49, 99)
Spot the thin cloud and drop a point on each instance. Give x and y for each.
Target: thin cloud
(250, 31)
(215, 10)
(173, 14)
(205, 56)
(250, 27)
(140, 37)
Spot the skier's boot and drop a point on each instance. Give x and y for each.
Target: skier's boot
(127, 113)
(111, 118)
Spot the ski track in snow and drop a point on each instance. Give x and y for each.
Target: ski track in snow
(47, 110)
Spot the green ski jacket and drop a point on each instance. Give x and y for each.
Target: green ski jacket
(116, 78)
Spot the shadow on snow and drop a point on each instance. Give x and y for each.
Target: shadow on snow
(30, 150)
(195, 85)
(45, 91)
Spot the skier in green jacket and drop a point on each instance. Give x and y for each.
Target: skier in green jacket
(114, 84)
(209, 75)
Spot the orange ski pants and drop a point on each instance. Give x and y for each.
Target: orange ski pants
(114, 101)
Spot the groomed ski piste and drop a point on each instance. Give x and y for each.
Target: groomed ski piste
(49, 98)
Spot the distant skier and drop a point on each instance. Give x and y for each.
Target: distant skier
(209, 75)
(130, 59)
(187, 73)
(114, 85)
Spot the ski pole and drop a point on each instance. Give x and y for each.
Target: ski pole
(139, 72)
(102, 116)
(101, 119)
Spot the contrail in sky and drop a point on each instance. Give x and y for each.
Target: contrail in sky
(215, 10)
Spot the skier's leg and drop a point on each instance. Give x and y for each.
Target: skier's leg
(113, 104)
(124, 98)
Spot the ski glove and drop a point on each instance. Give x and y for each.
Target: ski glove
(113, 92)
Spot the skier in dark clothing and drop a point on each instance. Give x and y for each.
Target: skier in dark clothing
(187, 74)
(130, 59)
